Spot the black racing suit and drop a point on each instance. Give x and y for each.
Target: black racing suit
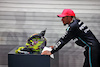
(82, 35)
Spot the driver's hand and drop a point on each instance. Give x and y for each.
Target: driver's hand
(46, 53)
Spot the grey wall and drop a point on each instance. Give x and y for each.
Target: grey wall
(21, 18)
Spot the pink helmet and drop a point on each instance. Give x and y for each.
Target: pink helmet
(67, 12)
